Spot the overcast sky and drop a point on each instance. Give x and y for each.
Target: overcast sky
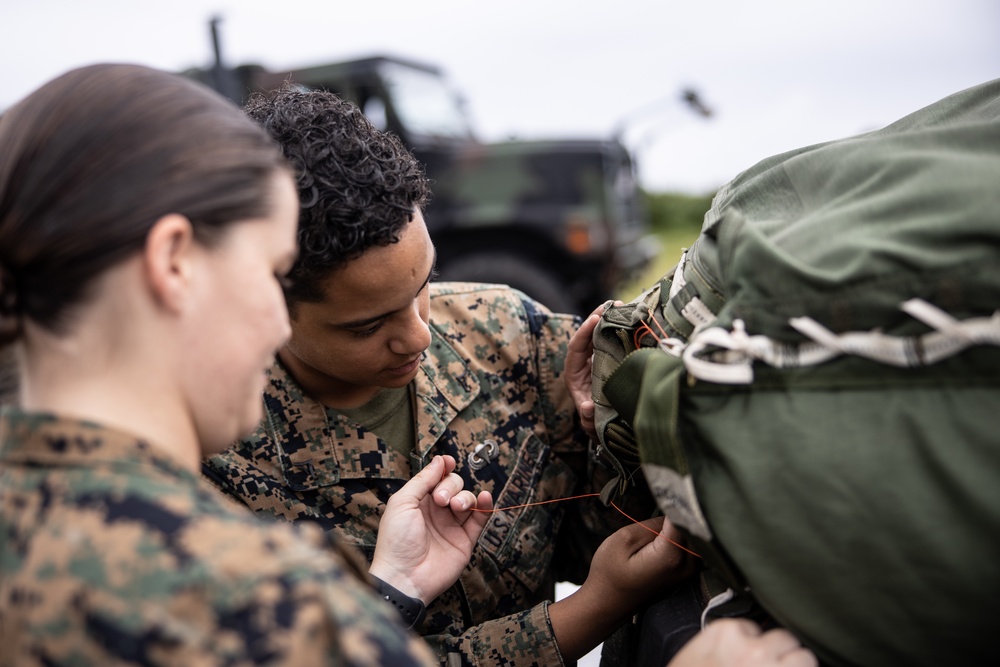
(777, 73)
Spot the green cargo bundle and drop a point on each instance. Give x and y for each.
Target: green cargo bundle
(813, 393)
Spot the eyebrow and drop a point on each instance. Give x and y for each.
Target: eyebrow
(357, 324)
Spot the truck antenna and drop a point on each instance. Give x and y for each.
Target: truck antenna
(223, 78)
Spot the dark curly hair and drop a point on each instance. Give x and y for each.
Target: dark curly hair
(358, 187)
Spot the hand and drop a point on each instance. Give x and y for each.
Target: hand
(428, 531)
(732, 642)
(633, 566)
(579, 369)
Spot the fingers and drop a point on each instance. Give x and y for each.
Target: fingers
(484, 502)
(740, 641)
(466, 501)
(800, 657)
(587, 420)
(449, 490)
(462, 501)
(475, 523)
(656, 544)
(582, 341)
(786, 648)
(638, 535)
(741, 626)
(427, 480)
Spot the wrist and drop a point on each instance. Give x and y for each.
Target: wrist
(582, 620)
(397, 579)
(411, 609)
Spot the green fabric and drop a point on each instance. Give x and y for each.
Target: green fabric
(864, 520)
(389, 415)
(859, 502)
(840, 231)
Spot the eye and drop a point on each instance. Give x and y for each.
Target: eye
(364, 333)
(431, 278)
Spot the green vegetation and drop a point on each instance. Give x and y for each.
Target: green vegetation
(675, 220)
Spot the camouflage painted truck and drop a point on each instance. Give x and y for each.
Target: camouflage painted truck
(560, 220)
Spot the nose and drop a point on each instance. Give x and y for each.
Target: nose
(282, 328)
(413, 335)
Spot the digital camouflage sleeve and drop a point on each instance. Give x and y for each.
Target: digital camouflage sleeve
(492, 381)
(112, 554)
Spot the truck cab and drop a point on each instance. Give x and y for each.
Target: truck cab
(560, 220)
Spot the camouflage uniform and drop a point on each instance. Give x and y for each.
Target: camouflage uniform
(493, 372)
(112, 554)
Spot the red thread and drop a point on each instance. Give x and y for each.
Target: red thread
(590, 495)
(653, 531)
(540, 502)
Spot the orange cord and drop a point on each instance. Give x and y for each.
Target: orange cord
(641, 332)
(683, 548)
(590, 495)
(665, 336)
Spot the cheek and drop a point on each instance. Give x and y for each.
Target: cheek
(425, 306)
(339, 355)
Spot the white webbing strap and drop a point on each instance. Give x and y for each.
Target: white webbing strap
(697, 313)
(719, 600)
(678, 282)
(734, 352)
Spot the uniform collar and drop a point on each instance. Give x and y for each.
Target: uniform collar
(318, 448)
(46, 439)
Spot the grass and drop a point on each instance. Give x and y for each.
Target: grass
(673, 241)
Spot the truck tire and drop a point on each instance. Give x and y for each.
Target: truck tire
(507, 269)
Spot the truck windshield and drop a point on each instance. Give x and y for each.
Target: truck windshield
(424, 103)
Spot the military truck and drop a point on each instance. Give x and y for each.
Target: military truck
(560, 220)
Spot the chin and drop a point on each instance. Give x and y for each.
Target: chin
(395, 382)
(226, 435)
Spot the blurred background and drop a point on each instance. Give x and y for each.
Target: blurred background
(694, 91)
(776, 73)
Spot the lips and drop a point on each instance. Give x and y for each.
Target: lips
(408, 367)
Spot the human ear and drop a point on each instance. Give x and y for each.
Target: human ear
(168, 256)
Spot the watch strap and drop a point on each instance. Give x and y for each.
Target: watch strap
(411, 610)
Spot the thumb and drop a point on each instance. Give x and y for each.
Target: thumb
(421, 484)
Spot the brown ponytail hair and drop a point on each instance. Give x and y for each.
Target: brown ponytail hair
(91, 160)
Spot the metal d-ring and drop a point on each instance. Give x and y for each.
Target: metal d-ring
(484, 452)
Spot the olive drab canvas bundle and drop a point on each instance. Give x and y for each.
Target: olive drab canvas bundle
(812, 393)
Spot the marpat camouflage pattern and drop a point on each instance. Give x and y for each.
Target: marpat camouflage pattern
(113, 554)
(493, 372)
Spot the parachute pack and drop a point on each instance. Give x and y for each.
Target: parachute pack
(812, 394)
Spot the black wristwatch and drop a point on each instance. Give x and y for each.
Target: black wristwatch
(412, 610)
